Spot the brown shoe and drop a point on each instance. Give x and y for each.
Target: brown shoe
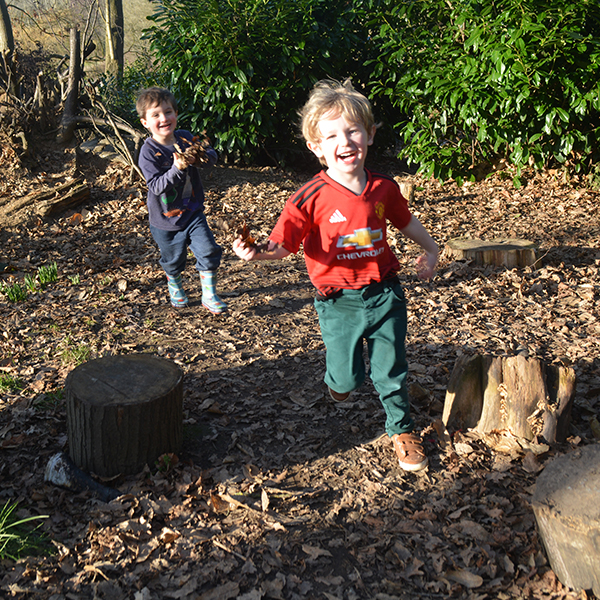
(409, 450)
(337, 396)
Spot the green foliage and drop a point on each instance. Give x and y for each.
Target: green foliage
(17, 539)
(30, 282)
(479, 80)
(14, 292)
(241, 69)
(8, 383)
(593, 177)
(119, 93)
(49, 401)
(73, 353)
(47, 274)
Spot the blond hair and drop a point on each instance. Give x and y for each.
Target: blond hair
(151, 97)
(330, 97)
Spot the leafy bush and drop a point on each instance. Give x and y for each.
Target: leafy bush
(241, 69)
(479, 80)
(119, 93)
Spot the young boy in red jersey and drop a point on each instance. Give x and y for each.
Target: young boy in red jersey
(340, 219)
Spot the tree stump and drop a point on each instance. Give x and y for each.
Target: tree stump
(123, 412)
(522, 395)
(566, 504)
(498, 253)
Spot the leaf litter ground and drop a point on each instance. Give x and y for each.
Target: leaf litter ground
(279, 492)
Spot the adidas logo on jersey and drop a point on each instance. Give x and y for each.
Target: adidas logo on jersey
(337, 217)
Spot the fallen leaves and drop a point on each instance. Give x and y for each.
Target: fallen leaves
(278, 492)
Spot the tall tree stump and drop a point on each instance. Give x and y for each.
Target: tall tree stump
(566, 504)
(508, 253)
(123, 412)
(522, 395)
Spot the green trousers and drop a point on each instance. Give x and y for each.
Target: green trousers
(376, 315)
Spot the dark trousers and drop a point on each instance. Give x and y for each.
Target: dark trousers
(376, 315)
(198, 237)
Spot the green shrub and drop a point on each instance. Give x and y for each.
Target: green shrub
(479, 80)
(241, 69)
(119, 94)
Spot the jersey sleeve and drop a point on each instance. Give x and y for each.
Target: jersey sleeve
(397, 211)
(291, 228)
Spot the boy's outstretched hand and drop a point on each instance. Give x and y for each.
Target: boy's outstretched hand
(426, 265)
(243, 250)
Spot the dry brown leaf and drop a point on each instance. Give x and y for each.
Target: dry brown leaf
(466, 578)
(219, 503)
(264, 500)
(315, 552)
(168, 535)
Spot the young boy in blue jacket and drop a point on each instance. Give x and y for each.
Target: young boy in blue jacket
(176, 198)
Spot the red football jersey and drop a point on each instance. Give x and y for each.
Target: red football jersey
(344, 235)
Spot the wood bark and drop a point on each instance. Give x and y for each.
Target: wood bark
(69, 119)
(508, 253)
(123, 412)
(518, 394)
(49, 202)
(114, 57)
(7, 52)
(566, 504)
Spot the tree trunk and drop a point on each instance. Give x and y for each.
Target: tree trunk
(7, 41)
(123, 412)
(521, 395)
(7, 49)
(114, 38)
(499, 253)
(566, 504)
(69, 119)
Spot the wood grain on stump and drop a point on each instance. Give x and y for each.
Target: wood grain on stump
(508, 253)
(514, 393)
(566, 504)
(123, 412)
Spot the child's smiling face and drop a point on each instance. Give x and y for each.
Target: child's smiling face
(161, 122)
(343, 146)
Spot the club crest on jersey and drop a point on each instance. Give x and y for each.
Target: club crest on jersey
(361, 238)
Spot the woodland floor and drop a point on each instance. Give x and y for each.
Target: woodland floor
(279, 492)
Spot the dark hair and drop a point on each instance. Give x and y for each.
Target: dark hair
(153, 96)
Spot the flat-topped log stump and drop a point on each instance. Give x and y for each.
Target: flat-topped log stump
(123, 412)
(566, 504)
(508, 253)
(514, 393)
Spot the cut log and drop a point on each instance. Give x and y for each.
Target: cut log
(514, 393)
(509, 253)
(62, 197)
(566, 504)
(49, 202)
(123, 412)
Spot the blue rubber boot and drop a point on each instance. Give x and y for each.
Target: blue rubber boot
(210, 300)
(176, 293)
